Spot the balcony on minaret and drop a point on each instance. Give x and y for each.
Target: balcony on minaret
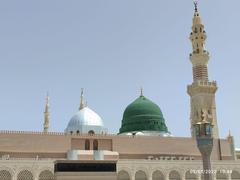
(202, 86)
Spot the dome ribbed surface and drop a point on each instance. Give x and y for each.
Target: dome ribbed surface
(143, 115)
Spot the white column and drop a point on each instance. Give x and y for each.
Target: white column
(35, 176)
(150, 177)
(14, 177)
(199, 176)
(229, 176)
(133, 177)
(167, 176)
(214, 176)
(183, 177)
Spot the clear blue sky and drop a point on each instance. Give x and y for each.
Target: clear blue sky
(112, 48)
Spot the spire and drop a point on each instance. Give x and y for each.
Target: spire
(196, 6)
(141, 91)
(81, 101)
(46, 115)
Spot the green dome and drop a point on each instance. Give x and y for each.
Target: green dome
(143, 115)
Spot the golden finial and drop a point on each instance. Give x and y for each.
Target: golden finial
(81, 101)
(46, 114)
(141, 93)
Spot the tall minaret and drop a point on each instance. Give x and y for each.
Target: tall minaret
(46, 115)
(202, 91)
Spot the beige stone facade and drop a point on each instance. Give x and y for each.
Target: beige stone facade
(33, 155)
(56, 145)
(152, 169)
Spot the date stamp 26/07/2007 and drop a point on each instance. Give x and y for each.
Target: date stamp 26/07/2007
(201, 171)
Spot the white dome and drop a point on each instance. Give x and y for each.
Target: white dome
(85, 120)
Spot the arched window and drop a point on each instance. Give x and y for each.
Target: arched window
(95, 144)
(140, 175)
(5, 175)
(123, 175)
(87, 144)
(25, 175)
(221, 175)
(190, 176)
(46, 175)
(235, 175)
(195, 30)
(157, 175)
(174, 175)
(91, 132)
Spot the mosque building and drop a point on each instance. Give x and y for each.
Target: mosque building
(143, 149)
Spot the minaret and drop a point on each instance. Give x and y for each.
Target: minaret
(46, 115)
(230, 139)
(81, 101)
(202, 91)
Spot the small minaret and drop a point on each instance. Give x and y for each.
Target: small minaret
(230, 139)
(202, 91)
(46, 115)
(81, 101)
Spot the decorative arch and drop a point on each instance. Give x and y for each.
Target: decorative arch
(190, 176)
(174, 175)
(140, 175)
(46, 175)
(123, 175)
(220, 175)
(157, 175)
(25, 175)
(127, 169)
(235, 175)
(5, 175)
